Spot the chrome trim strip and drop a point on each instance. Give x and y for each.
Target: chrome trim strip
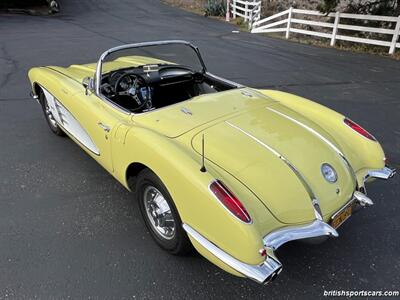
(308, 129)
(328, 142)
(313, 198)
(263, 273)
(279, 237)
(237, 85)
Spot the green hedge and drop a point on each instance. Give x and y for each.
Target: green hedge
(21, 3)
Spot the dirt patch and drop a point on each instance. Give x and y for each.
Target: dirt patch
(342, 45)
(196, 6)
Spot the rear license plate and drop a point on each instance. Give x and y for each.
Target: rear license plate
(342, 216)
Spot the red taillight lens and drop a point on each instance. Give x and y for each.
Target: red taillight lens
(229, 200)
(359, 129)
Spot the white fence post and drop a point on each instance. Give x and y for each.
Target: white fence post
(228, 13)
(234, 9)
(246, 13)
(335, 28)
(395, 37)
(289, 20)
(251, 14)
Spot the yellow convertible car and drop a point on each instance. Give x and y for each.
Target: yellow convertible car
(233, 171)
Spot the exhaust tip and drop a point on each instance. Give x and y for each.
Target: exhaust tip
(273, 276)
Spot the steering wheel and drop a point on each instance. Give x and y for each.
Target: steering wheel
(134, 86)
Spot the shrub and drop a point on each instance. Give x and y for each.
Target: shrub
(215, 8)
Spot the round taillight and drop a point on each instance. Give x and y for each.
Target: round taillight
(359, 129)
(229, 200)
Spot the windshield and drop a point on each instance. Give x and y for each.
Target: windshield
(147, 54)
(143, 77)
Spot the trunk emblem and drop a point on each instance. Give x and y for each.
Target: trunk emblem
(329, 173)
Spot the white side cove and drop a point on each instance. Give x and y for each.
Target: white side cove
(67, 121)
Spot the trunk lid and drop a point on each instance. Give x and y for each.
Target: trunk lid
(177, 119)
(248, 146)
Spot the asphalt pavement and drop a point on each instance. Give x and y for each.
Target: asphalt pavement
(68, 229)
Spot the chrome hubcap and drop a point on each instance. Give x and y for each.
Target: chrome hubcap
(159, 213)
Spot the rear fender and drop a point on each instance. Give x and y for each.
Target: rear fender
(179, 170)
(362, 153)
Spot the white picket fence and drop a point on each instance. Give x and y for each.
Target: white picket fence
(250, 11)
(284, 21)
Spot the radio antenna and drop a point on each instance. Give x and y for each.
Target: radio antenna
(203, 167)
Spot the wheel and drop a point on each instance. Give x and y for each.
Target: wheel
(160, 214)
(49, 116)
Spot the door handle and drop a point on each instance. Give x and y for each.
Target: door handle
(105, 127)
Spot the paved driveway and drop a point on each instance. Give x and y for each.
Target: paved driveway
(67, 228)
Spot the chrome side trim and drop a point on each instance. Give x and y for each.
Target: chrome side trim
(313, 198)
(384, 173)
(328, 142)
(281, 236)
(263, 273)
(237, 85)
(66, 120)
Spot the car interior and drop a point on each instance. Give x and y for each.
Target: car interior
(149, 87)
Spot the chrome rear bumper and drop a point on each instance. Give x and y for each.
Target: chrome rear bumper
(384, 173)
(263, 273)
(290, 233)
(271, 267)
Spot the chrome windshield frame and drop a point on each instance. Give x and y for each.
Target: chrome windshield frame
(138, 45)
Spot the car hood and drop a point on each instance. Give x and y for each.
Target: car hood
(79, 72)
(277, 154)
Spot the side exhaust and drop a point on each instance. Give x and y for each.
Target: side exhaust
(275, 271)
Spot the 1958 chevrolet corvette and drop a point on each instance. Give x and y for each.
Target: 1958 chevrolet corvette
(233, 171)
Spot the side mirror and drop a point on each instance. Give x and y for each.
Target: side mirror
(88, 84)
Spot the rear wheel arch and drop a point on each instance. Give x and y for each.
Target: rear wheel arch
(132, 172)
